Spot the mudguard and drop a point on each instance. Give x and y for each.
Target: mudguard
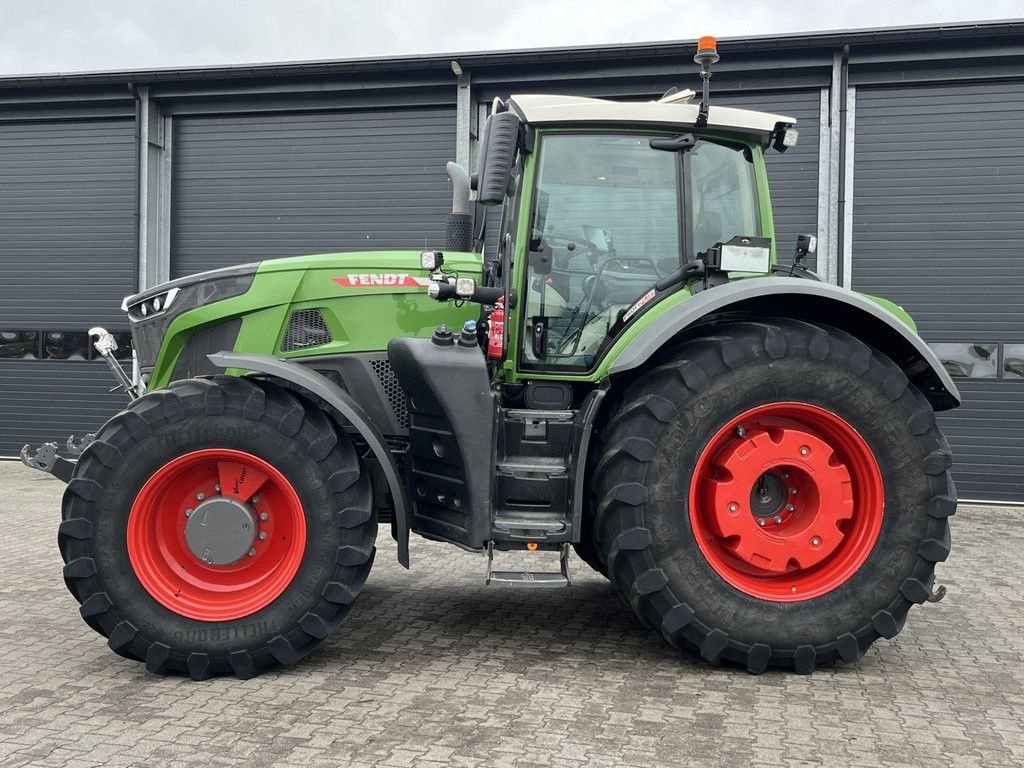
(807, 300)
(322, 387)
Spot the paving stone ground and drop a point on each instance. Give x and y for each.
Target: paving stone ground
(432, 668)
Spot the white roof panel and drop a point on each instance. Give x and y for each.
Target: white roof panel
(547, 109)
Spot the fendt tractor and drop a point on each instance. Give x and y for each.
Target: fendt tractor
(749, 454)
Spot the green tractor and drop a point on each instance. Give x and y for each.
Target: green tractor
(749, 454)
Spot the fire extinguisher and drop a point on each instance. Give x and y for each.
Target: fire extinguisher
(496, 331)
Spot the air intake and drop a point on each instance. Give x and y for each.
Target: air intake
(394, 391)
(306, 328)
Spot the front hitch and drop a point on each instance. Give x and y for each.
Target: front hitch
(45, 458)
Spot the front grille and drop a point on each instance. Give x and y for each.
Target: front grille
(306, 328)
(394, 391)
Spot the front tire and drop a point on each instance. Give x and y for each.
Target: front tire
(774, 494)
(219, 526)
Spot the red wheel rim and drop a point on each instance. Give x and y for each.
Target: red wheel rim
(786, 501)
(175, 576)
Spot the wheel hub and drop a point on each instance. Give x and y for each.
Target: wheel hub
(221, 531)
(786, 501)
(216, 534)
(768, 496)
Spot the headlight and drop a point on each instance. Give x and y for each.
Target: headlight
(152, 311)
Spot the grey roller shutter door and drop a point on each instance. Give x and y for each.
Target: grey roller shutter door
(939, 228)
(67, 251)
(259, 186)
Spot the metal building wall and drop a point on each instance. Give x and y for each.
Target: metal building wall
(267, 162)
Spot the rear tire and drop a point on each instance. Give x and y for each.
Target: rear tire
(665, 519)
(128, 558)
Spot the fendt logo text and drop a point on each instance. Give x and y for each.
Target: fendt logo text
(390, 279)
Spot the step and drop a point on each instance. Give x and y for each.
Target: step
(532, 465)
(544, 579)
(527, 579)
(529, 524)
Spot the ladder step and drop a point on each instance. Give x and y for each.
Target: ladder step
(529, 579)
(529, 524)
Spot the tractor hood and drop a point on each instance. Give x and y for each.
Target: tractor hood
(364, 299)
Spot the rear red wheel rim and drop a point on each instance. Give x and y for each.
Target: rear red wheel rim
(175, 576)
(786, 501)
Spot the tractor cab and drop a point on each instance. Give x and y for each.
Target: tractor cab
(609, 208)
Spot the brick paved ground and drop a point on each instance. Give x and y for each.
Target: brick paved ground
(432, 668)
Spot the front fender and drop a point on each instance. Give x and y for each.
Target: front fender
(807, 300)
(316, 384)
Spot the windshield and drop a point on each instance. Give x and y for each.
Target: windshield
(606, 214)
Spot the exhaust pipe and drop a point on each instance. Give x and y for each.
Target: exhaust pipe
(459, 231)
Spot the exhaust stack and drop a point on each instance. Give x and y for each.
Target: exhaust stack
(459, 231)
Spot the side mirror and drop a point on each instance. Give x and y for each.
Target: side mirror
(497, 153)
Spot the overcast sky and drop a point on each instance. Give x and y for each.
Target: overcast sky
(74, 35)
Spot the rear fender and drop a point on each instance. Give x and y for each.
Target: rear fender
(807, 300)
(320, 386)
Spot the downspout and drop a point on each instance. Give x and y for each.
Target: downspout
(137, 171)
(844, 72)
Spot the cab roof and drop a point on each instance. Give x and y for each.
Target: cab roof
(674, 111)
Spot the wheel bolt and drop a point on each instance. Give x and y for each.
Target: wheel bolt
(263, 534)
(216, 488)
(256, 499)
(785, 475)
(733, 507)
(778, 519)
(792, 491)
(815, 542)
(741, 430)
(200, 496)
(252, 552)
(804, 450)
(264, 516)
(760, 521)
(188, 513)
(790, 507)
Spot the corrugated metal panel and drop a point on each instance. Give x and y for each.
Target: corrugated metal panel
(45, 401)
(67, 249)
(938, 228)
(67, 223)
(938, 202)
(987, 437)
(259, 186)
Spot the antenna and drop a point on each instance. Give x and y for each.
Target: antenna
(707, 54)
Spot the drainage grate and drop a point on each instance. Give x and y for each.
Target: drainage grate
(394, 391)
(306, 328)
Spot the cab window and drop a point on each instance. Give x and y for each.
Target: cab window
(722, 197)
